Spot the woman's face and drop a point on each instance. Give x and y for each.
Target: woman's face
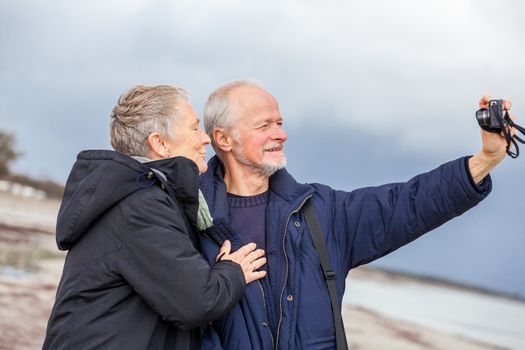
(187, 139)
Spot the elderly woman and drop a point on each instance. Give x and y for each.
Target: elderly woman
(133, 276)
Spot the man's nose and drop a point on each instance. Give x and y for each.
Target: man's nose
(279, 134)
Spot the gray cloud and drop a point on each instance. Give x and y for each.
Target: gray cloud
(409, 71)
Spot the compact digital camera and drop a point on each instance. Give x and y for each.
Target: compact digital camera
(492, 118)
(495, 119)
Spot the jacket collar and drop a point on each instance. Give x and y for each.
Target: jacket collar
(282, 184)
(181, 176)
(181, 173)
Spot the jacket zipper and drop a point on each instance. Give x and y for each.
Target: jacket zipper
(265, 315)
(286, 274)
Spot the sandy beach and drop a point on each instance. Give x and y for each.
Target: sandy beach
(30, 267)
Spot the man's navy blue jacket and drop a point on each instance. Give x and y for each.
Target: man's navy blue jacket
(359, 227)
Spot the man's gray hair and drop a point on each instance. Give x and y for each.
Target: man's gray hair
(218, 112)
(140, 111)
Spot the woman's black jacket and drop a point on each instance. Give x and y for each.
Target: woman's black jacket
(133, 276)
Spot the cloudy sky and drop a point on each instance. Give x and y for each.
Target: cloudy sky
(371, 91)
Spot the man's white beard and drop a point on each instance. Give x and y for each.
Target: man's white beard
(266, 168)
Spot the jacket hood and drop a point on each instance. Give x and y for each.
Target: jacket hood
(100, 179)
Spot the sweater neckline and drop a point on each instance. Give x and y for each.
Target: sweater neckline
(236, 201)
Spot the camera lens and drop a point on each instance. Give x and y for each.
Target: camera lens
(483, 117)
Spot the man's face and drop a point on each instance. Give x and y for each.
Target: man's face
(258, 135)
(187, 139)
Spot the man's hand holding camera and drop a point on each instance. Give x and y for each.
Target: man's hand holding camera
(494, 145)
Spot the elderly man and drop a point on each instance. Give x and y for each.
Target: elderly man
(248, 187)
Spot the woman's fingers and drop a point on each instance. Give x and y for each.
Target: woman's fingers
(257, 264)
(246, 249)
(248, 257)
(254, 276)
(225, 250)
(256, 254)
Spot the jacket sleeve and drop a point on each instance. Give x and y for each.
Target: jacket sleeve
(378, 220)
(161, 263)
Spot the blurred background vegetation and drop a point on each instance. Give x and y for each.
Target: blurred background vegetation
(8, 155)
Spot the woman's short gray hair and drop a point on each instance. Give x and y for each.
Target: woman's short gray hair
(218, 112)
(140, 111)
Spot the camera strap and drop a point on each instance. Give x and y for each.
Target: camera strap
(514, 139)
(504, 125)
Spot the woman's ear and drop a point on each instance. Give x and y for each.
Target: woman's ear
(158, 147)
(222, 139)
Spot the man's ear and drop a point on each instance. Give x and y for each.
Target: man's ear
(222, 139)
(157, 146)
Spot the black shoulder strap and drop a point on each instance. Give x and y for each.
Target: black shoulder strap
(329, 274)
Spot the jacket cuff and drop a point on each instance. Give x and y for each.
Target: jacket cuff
(484, 187)
(234, 266)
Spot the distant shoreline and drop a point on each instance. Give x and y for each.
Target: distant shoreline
(494, 320)
(393, 274)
